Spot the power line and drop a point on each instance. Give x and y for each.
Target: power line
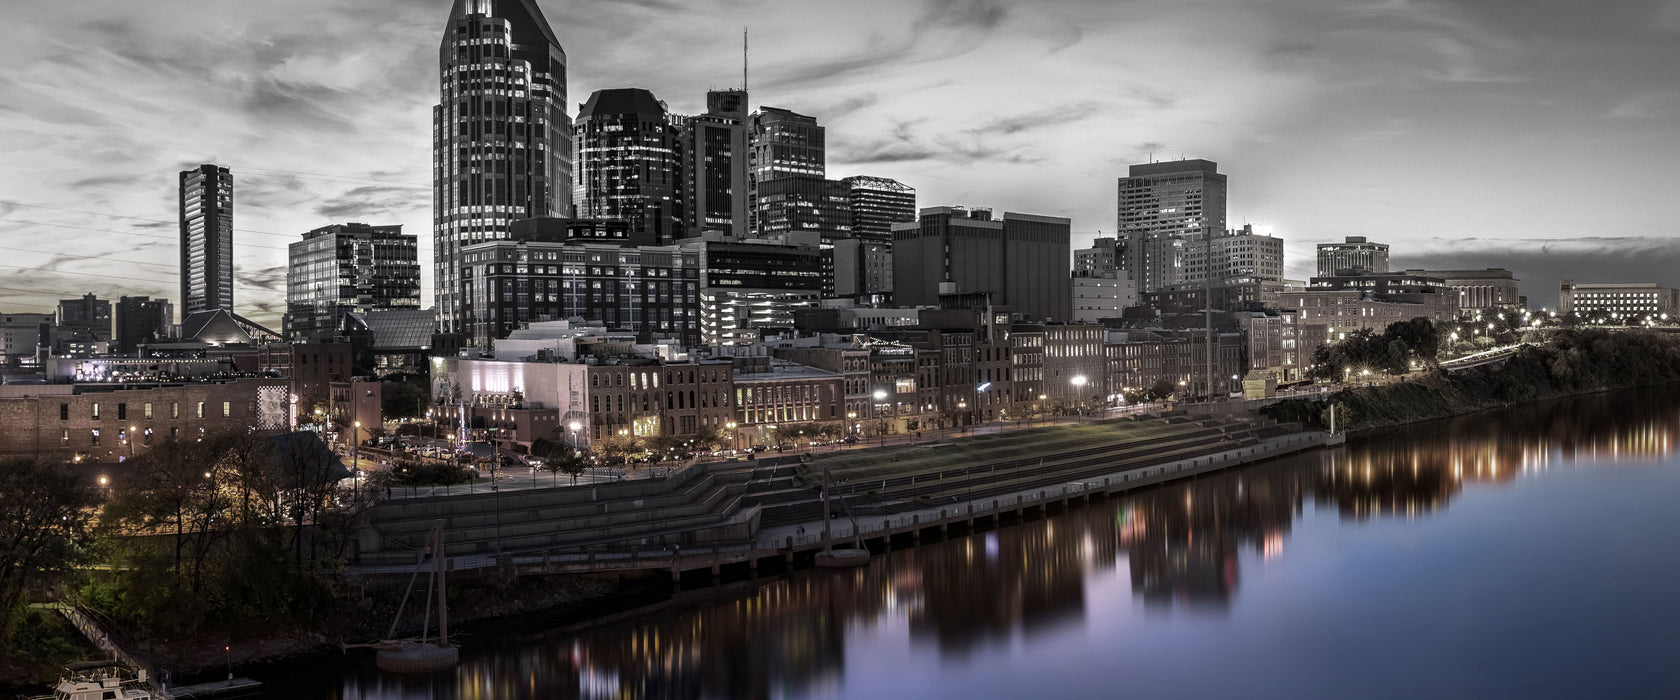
(323, 176)
(134, 218)
(130, 233)
(87, 274)
(171, 268)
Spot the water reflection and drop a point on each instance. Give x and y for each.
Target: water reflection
(1183, 549)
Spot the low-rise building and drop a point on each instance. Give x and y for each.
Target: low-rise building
(1626, 303)
(110, 422)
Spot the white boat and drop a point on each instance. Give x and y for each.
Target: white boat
(101, 680)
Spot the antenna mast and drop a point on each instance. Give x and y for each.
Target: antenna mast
(743, 59)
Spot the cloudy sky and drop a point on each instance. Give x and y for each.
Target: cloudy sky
(1538, 135)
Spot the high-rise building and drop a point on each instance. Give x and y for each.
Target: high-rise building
(206, 239)
(715, 149)
(877, 204)
(1020, 261)
(1235, 253)
(781, 143)
(804, 204)
(142, 320)
(1162, 207)
(502, 141)
(346, 268)
(87, 319)
(1354, 256)
(629, 164)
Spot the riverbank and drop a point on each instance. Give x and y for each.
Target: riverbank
(1573, 363)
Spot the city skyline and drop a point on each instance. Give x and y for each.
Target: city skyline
(1532, 138)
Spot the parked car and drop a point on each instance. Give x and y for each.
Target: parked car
(758, 448)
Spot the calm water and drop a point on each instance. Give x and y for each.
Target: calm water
(1529, 553)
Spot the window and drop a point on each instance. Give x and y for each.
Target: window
(174, 409)
(65, 439)
(95, 437)
(96, 411)
(148, 410)
(201, 409)
(122, 411)
(64, 411)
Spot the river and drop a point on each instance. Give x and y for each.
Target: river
(1532, 552)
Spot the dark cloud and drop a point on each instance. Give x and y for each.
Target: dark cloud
(367, 203)
(271, 279)
(1040, 119)
(962, 14)
(1540, 264)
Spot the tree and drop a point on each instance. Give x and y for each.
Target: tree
(405, 399)
(572, 463)
(45, 516)
(1160, 390)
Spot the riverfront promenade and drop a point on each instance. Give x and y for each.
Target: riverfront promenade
(710, 516)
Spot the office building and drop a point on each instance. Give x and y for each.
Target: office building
(1492, 288)
(781, 143)
(502, 141)
(1625, 304)
(1164, 208)
(346, 268)
(878, 203)
(84, 320)
(1101, 289)
(1353, 256)
(807, 207)
(651, 291)
(1020, 261)
(142, 320)
(206, 239)
(630, 164)
(750, 288)
(863, 270)
(24, 338)
(715, 151)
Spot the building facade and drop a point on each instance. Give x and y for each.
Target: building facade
(652, 291)
(878, 203)
(501, 137)
(750, 287)
(1492, 288)
(781, 143)
(206, 239)
(1021, 260)
(83, 320)
(111, 422)
(1618, 303)
(715, 149)
(630, 165)
(804, 204)
(348, 268)
(142, 320)
(1353, 256)
(1164, 208)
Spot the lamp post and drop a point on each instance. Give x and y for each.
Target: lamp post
(734, 439)
(880, 398)
(1079, 391)
(355, 443)
(574, 427)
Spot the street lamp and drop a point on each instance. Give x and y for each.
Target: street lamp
(355, 443)
(880, 427)
(574, 427)
(1079, 391)
(734, 439)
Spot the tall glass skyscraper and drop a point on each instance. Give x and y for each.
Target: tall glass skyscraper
(630, 165)
(206, 239)
(502, 141)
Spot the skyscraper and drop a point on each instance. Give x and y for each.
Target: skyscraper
(87, 319)
(805, 204)
(348, 268)
(715, 151)
(629, 164)
(1163, 208)
(783, 143)
(206, 239)
(502, 141)
(877, 204)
